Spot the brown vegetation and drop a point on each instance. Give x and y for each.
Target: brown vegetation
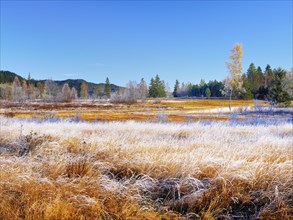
(174, 110)
(145, 171)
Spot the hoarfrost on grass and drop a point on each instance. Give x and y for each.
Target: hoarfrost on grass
(169, 164)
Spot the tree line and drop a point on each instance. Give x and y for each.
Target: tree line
(274, 85)
(211, 89)
(21, 89)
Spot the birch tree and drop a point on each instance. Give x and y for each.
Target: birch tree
(84, 90)
(66, 92)
(143, 90)
(16, 89)
(24, 89)
(233, 83)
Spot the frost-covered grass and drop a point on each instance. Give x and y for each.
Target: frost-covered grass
(118, 170)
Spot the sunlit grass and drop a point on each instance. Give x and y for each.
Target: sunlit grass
(173, 109)
(145, 171)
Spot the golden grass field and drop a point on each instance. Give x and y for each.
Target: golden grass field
(143, 170)
(174, 110)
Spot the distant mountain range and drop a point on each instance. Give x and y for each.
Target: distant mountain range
(8, 77)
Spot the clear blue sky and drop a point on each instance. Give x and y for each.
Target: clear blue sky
(185, 40)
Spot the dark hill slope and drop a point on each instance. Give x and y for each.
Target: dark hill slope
(8, 77)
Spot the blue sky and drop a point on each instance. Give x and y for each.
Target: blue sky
(128, 40)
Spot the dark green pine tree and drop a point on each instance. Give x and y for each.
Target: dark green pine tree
(161, 90)
(261, 93)
(215, 88)
(260, 77)
(195, 90)
(277, 94)
(176, 88)
(107, 88)
(253, 81)
(268, 76)
(247, 88)
(152, 88)
(78, 88)
(157, 88)
(208, 92)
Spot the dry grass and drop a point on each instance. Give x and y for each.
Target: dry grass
(134, 170)
(175, 110)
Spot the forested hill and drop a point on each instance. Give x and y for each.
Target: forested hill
(91, 86)
(8, 77)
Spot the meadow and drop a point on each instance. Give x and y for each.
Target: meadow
(169, 110)
(195, 162)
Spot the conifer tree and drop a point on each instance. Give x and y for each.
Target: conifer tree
(176, 88)
(277, 93)
(108, 88)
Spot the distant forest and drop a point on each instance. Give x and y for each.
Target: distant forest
(272, 85)
(16, 87)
